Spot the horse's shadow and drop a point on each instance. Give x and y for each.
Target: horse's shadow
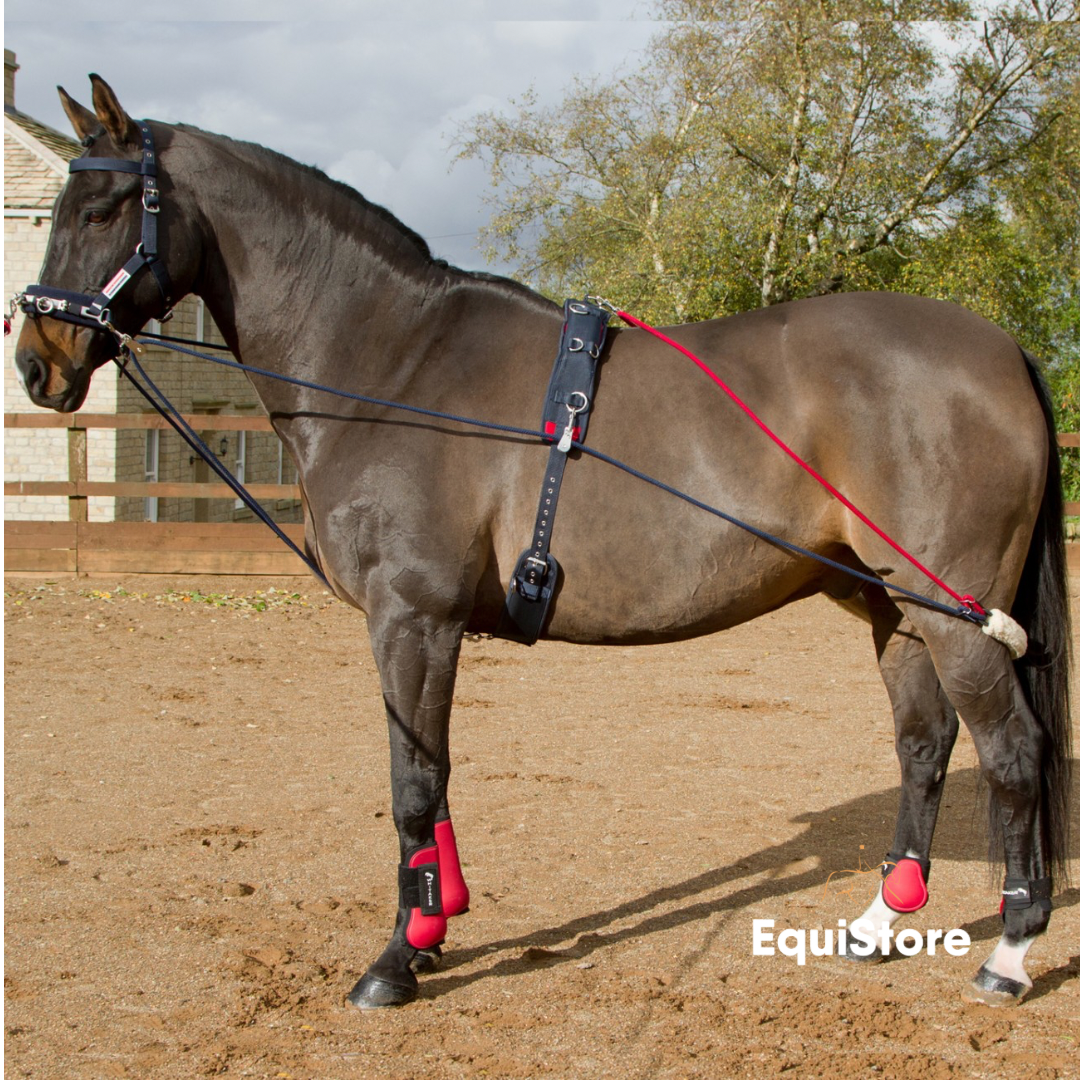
(828, 839)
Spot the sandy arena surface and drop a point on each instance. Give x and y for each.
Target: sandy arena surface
(200, 859)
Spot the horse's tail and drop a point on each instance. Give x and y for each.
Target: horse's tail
(1042, 608)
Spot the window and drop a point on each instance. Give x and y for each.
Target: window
(151, 463)
(241, 463)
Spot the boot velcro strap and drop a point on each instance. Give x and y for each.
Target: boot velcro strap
(1020, 893)
(890, 861)
(418, 887)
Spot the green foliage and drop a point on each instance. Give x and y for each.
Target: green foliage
(985, 265)
(768, 149)
(773, 149)
(1064, 379)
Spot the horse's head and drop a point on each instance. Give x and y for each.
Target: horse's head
(99, 279)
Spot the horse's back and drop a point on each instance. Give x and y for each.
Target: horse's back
(865, 383)
(920, 412)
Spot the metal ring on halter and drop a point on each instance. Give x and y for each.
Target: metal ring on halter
(575, 344)
(45, 304)
(578, 408)
(579, 309)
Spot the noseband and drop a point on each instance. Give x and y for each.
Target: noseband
(93, 311)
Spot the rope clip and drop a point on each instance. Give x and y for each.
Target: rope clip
(600, 302)
(973, 609)
(128, 344)
(567, 439)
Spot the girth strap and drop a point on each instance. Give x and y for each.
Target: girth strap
(536, 564)
(565, 419)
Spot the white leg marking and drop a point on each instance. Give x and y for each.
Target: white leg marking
(879, 914)
(1008, 960)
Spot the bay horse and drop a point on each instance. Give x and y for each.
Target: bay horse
(931, 419)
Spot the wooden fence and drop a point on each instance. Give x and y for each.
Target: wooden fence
(81, 546)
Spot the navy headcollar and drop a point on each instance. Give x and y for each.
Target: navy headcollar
(93, 311)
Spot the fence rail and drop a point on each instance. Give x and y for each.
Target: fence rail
(81, 546)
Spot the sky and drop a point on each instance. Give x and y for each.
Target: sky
(370, 91)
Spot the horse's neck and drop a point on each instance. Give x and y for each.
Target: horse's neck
(298, 271)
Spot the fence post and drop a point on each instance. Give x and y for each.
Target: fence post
(78, 505)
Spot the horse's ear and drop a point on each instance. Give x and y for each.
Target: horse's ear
(82, 119)
(119, 126)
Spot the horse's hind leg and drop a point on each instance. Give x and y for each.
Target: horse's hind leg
(926, 726)
(981, 681)
(417, 666)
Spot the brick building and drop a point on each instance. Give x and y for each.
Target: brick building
(35, 169)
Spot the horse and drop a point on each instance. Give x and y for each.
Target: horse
(932, 419)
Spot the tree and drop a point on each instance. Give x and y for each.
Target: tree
(770, 149)
(1043, 198)
(1045, 201)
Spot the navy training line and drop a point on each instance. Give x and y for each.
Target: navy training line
(166, 409)
(935, 605)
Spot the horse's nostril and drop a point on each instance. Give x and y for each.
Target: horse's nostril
(33, 373)
(36, 375)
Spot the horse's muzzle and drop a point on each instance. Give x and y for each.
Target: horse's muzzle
(47, 367)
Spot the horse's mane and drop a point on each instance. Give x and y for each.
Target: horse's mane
(407, 234)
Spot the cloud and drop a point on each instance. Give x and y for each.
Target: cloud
(374, 101)
(334, 10)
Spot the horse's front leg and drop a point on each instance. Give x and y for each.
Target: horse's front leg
(417, 663)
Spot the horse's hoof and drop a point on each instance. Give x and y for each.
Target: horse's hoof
(371, 992)
(426, 960)
(874, 956)
(994, 990)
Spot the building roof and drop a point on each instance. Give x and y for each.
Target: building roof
(35, 161)
(64, 146)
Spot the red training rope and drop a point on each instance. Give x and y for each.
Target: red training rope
(967, 601)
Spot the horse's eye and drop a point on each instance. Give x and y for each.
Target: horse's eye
(96, 217)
